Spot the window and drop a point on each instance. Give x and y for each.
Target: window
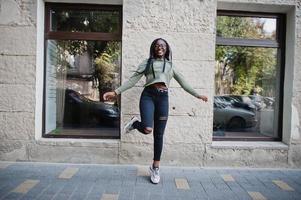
(82, 62)
(249, 76)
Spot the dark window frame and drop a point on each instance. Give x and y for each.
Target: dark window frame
(65, 35)
(279, 43)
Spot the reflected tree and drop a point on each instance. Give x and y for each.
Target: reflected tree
(241, 69)
(105, 54)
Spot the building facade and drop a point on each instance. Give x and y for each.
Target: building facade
(35, 40)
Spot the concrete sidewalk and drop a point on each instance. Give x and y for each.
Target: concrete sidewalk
(47, 181)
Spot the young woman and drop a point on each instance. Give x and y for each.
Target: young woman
(158, 70)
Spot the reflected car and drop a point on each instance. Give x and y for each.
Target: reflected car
(83, 112)
(262, 101)
(226, 116)
(240, 101)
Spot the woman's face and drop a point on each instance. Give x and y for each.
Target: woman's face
(160, 49)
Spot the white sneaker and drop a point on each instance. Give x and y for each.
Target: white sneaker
(129, 126)
(154, 174)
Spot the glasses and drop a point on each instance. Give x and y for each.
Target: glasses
(160, 46)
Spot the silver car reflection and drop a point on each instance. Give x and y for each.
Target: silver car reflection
(226, 116)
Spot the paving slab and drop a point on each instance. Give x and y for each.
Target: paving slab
(257, 196)
(24, 181)
(283, 185)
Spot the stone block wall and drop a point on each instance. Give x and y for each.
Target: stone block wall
(295, 148)
(189, 27)
(17, 77)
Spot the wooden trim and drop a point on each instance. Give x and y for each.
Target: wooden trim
(49, 135)
(261, 42)
(223, 138)
(247, 14)
(47, 18)
(81, 35)
(282, 39)
(61, 35)
(81, 6)
(280, 30)
(44, 90)
(279, 43)
(246, 42)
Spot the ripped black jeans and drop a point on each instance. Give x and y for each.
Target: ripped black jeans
(154, 114)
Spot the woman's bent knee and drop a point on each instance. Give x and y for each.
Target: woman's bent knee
(148, 130)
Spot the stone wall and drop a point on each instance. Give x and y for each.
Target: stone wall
(295, 148)
(189, 27)
(17, 77)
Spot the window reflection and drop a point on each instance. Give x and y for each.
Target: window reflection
(82, 112)
(245, 92)
(246, 27)
(84, 20)
(78, 73)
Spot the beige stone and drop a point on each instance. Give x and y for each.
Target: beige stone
(17, 69)
(188, 130)
(10, 12)
(283, 185)
(17, 98)
(256, 196)
(179, 42)
(227, 177)
(263, 3)
(130, 101)
(175, 154)
(295, 155)
(109, 197)
(256, 157)
(68, 173)
(168, 16)
(183, 154)
(26, 186)
(182, 184)
(139, 153)
(199, 74)
(18, 40)
(13, 150)
(67, 154)
(17, 13)
(17, 125)
(142, 170)
(93, 143)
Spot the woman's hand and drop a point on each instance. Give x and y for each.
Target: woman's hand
(204, 98)
(109, 96)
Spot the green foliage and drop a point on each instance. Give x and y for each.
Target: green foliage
(250, 66)
(107, 67)
(105, 54)
(104, 69)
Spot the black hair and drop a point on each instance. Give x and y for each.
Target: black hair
(167, 56)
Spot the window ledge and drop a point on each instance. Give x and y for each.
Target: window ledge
(71, 142)
(248, 145)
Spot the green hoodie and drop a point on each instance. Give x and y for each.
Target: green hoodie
(160, 76)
